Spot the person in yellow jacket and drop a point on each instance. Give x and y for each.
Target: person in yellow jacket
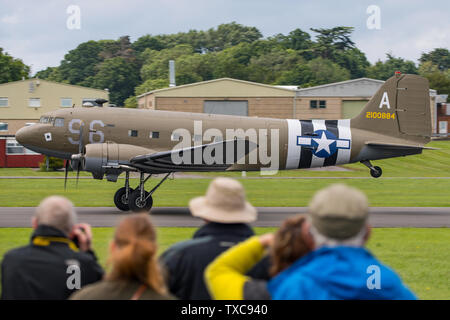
(225, 276)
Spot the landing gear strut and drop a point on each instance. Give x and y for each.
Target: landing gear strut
(375, 171)
(141, 200)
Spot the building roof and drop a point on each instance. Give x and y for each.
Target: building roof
(361, 87)
(52, 82)
(223, 87)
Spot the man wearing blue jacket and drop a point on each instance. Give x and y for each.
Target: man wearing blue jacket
(339, 266)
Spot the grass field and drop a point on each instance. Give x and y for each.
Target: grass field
(420, 256)
(403, 192)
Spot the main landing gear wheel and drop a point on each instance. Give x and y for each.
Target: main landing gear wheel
(121, 200)
(137, 203)
(376, 172)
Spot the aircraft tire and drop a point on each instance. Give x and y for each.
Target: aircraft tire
(120, 199)
(135, 203)
(376, 172)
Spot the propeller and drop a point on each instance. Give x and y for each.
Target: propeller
(80, 151)
(66, 171)
(77, 158)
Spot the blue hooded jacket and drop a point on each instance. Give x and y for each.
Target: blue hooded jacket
(343, 272)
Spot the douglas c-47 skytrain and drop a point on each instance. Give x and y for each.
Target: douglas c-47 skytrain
(109, 141)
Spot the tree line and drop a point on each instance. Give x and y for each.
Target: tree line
(129, 69)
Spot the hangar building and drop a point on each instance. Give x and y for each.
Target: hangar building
(23, 102)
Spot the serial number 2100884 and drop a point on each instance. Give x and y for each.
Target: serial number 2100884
(380, 115)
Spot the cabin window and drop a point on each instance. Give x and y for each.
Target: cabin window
(132, 133)
(3, 126)
(154, 135)
(59, 122)
(313, 104)
(34, 102)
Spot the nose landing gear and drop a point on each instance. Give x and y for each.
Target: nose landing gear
(136, 200)
(375, 171)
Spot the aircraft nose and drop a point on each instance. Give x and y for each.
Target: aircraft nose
(24, 135)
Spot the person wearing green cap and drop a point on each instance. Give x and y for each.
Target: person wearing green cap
(339, 266)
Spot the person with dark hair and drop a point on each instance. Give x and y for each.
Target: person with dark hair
(226, 276)
(135, 270)
(59, 259)
(226, 214)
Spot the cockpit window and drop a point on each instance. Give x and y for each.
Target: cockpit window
(44, 119)
(59, 122)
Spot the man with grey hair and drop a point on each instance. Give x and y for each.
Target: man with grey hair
(338, 267)
(59, 259)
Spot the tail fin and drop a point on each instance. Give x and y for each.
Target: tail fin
(400, 108)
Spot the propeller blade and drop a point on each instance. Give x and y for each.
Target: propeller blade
(80, 144)
(80, 151)
(66, 171)
(78, 172)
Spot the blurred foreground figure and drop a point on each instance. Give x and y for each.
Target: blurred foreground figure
(226, 276)
(339, 267)
(135, 270)
(58, 261)
(227, 214)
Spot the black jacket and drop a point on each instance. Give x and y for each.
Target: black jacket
(40, 269)
(185, 262)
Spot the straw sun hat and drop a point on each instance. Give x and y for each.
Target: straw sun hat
(224, 202)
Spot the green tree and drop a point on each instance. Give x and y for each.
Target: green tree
(119, 76)
(150, 85)
(147, 42)
(12, 69)
(156, 63)
(383, 70)
(130, 102)
(439, 57)
(316, 72)
(80, 62)
(330, 41)
(230, 34)
(439, 80)
(354, 60)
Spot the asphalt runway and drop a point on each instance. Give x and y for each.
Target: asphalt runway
(418, 217)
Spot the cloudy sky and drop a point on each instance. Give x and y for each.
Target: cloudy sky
(37, 32)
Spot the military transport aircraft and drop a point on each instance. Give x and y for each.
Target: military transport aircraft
(109, 141)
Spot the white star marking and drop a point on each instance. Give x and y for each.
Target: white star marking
(324, 143)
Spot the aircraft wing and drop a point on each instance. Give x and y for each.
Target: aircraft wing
(397, 146)
(217, 156)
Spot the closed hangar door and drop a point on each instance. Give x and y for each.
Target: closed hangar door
(232, 108)
(351, 108)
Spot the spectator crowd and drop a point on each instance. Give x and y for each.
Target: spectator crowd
(321, 255)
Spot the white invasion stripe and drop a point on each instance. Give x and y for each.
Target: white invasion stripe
(345, 132)
(342, 144)
(293, 154)
(317, 161)
(303, 141)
